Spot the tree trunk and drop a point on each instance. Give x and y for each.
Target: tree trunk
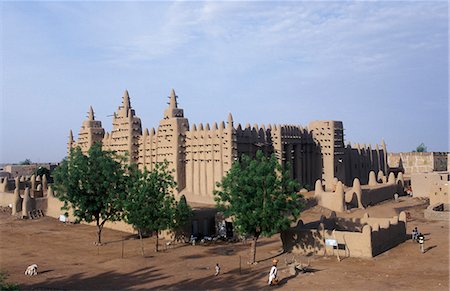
(157, 241)
(99, 233)
(253, 249)
(142, 242)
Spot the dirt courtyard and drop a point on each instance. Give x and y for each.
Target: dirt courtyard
(68, 259)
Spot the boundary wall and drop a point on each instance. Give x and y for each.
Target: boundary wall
(22, 202)
(364, 237)
(378, 190)
(438, 211)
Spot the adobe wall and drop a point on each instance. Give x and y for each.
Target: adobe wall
(6, 198)
(292, 145)
(295, 145)
(5, 174)
(395, 161)
(334, 201)
(203, 217)
(210, 153)
(359, 196)
(116, 225)
(147, 149)
(22, 205)
(312, 241)
(253, 138)
(361, 238)
(422, 183)
(438, 211)
(54, 205)
(8, 185)
(448, 162)
(25, 170)
(330, 137)
(372, 195)
(386, 233)
(357, 244)
(414, 162)
(205, 220)
(360, 160)
(440, 191)
(441, 161)
(52, 208)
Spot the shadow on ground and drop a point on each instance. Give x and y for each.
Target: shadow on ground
(429, 248)
(232, 280)
(103, 281)
(227, 249)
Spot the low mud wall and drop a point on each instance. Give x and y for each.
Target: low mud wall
(438, 211)
(358, 237)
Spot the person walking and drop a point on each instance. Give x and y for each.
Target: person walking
(273, 273)
(414, 234)
(217, 267)
(421, 239)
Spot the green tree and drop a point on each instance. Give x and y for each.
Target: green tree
(25, 162)
(259, 196)
(5, 286)
(182, 215)
(422, 148)
(150, 203)
(41, 171)
(93, 185)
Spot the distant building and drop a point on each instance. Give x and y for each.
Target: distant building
(414, 162)
(202, 154)
(432, 185)
(12, 171)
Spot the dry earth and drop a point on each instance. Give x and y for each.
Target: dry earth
(68, 260)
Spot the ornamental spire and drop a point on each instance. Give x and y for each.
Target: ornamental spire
(173, 99)
(126, 101)
(91, 115)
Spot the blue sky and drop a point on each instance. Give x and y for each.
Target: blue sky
(380, 67)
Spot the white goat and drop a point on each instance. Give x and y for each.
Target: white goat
(31, 270)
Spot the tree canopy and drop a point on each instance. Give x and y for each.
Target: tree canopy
(93, 185)
(41, 171)
(422, 148)
(25, 162)
(259, 196)
(150, 204)
(182, 215)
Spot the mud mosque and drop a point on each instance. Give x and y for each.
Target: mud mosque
(201, 154)
(339, 177)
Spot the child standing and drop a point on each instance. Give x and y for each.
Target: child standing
(421, 239)
(415, 233)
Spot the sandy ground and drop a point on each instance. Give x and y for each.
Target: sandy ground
(68, 259)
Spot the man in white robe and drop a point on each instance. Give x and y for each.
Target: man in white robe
(273, 273)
